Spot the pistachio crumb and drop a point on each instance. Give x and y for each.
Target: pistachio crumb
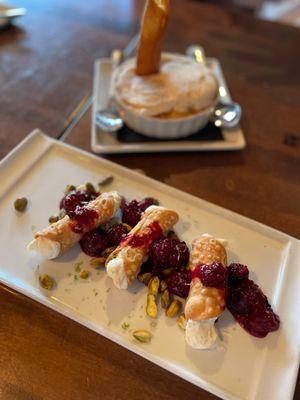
(78, 265)
(125, 325)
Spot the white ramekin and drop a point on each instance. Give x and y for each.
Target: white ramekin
(171, 128)
(168, 128)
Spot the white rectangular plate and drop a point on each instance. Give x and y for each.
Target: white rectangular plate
(103, 142)
(241, 367)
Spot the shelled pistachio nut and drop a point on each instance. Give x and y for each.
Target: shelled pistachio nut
(174, 308)
(151, 308)
(142, 335)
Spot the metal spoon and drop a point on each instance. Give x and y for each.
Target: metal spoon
(109, 119)
(226, 114)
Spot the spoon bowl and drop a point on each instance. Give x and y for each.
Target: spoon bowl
(226, 114)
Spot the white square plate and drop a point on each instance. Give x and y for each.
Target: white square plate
(241, 367)
(103, 142)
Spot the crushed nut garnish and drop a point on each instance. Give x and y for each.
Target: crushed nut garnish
(125, 325)
(78, 265)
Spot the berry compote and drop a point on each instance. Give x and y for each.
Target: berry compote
(213, 275)
(93, 243)
(168, 253)
(178, 282)
(248, 304)
(76, 198)
(154, 232)
(132, 211)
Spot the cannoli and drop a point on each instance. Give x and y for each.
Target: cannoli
(125, 261)
(207, 296)
(65, 233)
(152, 31)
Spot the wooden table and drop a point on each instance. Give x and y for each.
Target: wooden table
(45, 71)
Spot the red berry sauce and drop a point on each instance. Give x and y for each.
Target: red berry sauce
(154, 233)
(83, 219)
(132, 211)
(76, 198)
(248, 304)
(168, 253)
(212, 275)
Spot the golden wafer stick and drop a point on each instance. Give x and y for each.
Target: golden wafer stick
(153, 27)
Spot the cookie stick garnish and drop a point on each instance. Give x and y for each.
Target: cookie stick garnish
(65, 233)
(125, 262)
(153, 27)
(206, 300)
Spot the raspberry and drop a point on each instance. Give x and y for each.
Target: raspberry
(213, 275)
(115, 234)
(179, 283)
(147, 202)
(93, 243)
(168, 253)
(76, 198)
(237, 272)
(132, 211)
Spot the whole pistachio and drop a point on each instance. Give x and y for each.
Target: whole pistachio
(144, 277)
(46, 282)
(97, 262)
(106, 181)
(165, 299)
(142, 335)
(151, 308)
(127, 227)
(90, 188)
(69, 188)
(84, 274)
(108, 251)
(21, 204)
(153, 286)
(163, 286)
(53, 219)
(174, 308)
(181, 321)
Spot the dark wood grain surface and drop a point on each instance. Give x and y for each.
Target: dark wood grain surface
(45, 70)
